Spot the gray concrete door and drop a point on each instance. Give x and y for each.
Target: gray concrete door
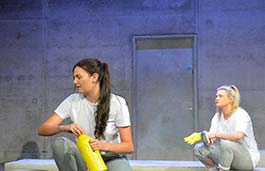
(163, 97)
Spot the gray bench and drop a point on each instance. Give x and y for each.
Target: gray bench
(137, 165)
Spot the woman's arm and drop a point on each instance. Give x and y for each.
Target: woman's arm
(232, 136)
(51, 126)
(126, 145)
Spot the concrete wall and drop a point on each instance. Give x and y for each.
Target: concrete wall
(41, 40)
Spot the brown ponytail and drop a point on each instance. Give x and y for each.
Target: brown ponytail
(102, 113)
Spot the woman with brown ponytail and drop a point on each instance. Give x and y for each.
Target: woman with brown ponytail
(230, 142)
(95, 111)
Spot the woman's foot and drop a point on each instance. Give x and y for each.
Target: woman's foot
(213, 169)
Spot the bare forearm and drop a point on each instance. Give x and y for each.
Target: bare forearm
(125, 147)
(233, 136)
(47, 130)
(51, 126)
(122, 148)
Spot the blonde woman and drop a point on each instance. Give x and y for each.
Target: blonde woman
(230, 142)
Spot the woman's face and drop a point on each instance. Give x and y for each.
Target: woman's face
(83, 81)
(222, 99)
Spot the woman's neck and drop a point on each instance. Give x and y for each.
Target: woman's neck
(227, 111)
(93, 96)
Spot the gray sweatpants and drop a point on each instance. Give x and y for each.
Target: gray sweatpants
(225, 155)
(68, 158)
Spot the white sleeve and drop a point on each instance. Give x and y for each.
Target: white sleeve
(214, 123)
(123, 117)
(64, 109)
(243, 121)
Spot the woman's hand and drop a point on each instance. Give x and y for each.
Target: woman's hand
(124, 147)
(74, 128)
(97, 145)
(211, 135)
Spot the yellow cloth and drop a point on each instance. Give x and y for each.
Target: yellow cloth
(193, 138)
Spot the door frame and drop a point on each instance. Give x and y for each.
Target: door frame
(134, 77)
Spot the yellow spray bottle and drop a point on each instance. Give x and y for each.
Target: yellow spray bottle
(93, 159)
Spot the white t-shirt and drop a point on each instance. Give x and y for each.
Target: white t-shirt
(239, 121)
(81, 111)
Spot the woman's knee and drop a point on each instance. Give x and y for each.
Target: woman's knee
(118, 165)
(62, 144)
(227, 146)
(200, 150)
(58, 143)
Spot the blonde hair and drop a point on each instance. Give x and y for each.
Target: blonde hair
(233, 93)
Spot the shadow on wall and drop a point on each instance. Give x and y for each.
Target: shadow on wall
(30, 150)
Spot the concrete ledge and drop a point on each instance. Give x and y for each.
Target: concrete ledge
(25, 170)
(137, 165)
(161, 165)
(40, 164)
